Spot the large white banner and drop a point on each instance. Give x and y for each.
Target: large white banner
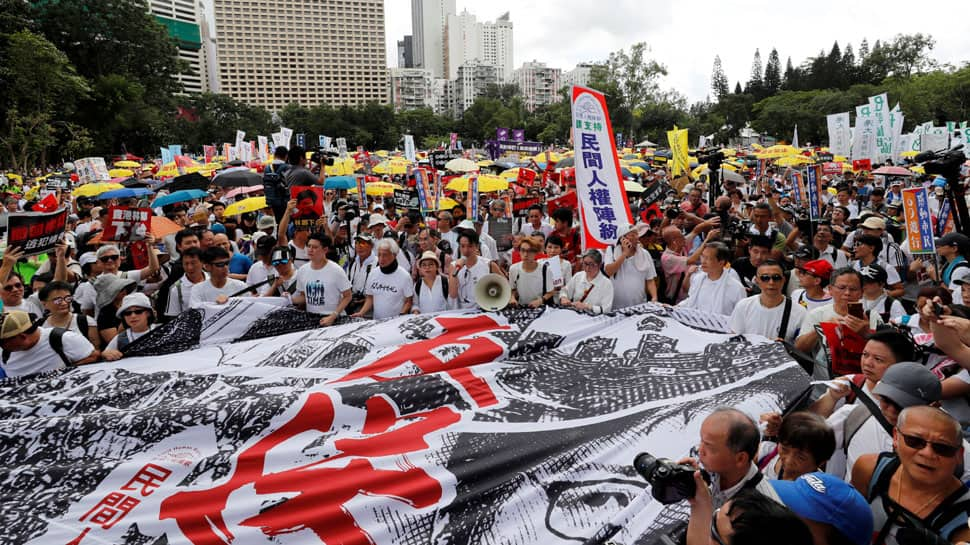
(883, 123)
(864, 136)
(840, 135)
(599, 183)
(409, 151)
(252, 425)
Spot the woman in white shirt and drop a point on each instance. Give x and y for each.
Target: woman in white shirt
(136, 314)
(589, 289)
(57, 298)
(531, 281)
(431, 289)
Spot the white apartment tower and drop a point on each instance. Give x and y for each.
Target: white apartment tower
(183, 20)
(484, 43)
(309, 51)
(429, 19)
(497, 46)
(411, 88)
(538, 84)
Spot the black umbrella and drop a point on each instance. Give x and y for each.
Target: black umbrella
(237, 177)
(193, 180)
(134, 183)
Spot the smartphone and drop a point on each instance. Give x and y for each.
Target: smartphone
(937, 309)
(855, 309)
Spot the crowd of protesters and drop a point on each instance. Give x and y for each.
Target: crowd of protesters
(878, 456)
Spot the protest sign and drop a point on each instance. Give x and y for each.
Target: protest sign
(860, 165)
(91, 169)
(309, 206)
(125, 224)
(263, 148)
(566, 200)
(58, 182)
(602, 197)
(426, 198)
(36, 232)
(933, 141)
(680, 162)
(832, 168)
(526, 177)
(520, 205)
(864, 137)
(301, 140)
(287, 136)
(813, 188)
(410, 153)
(796, 187)
(209, 152)
(471, 201)
(501, 230)
(240, 137)
(919, 222)
(406, 199)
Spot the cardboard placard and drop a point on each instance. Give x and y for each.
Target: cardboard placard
(501, 230)
(861, 164)
(125, 224)
(309, 206)
(405, 198)
(520, 205)
(36, 232)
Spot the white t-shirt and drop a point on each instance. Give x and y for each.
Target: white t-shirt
(717, 296)
(598, 292)
(803, 300)
(205, 292)
(468, 277)
(41, 357)
(629, 282)
(323, 287)
(259, 272)
(72, 325)
(751, 317)
(390, 291)
(27, 306)
(359, 271)
(180, 295)
(86, 296)
(527, 229)
(529, 284)
(431, 299)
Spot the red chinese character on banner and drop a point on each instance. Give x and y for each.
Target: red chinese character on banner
(111, 509)
(318, 492)
(149, 478)
(457, 331)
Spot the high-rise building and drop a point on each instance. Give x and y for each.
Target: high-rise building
(405, 52)
(472, 82)
(428, 21)
(538, 84)
(497, 46)
(485, 43)
(411, 88)
(182, 18)
(578, 76)
(272, 53)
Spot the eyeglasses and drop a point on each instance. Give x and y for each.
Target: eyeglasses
(714, 533)
(108, 258)
(219, 264)
(528, 251)
(918, 443)
(771, 277)
(13, 287)
(66, 300)
(136, 311)
(846, 288)
(590, 264)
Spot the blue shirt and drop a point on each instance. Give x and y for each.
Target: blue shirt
(239, 264)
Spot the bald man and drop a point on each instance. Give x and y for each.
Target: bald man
(677, 263)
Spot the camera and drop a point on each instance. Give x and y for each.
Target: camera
(669, 482)
(324, 157)
(444, 246)
(712, 156)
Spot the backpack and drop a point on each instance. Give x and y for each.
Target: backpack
(274, 184)
(444, 287)
(57, 343)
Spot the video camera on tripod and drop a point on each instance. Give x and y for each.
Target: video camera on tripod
(947, 163)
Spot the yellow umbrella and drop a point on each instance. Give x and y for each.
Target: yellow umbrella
(342, 167)
(918, 169)
(377, 189)
(909, 154)
(793, 160)
(120, 173)
(447, 204)
(730, 152)
(636, 170)
(541, 157)
(251, 204)
(213, 166)
(775, 152)
(512, 173)
(487, 183)
(843, 159)
(127, 164)
(381, 153)
(32, 192)
(391, 167)
(17, 177)
(94, 189)
(484, 163)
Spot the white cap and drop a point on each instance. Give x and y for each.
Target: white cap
(137, 300)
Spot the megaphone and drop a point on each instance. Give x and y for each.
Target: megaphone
(492, 292)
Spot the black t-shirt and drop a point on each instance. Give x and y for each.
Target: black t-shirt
(299, 176)
(107, 318)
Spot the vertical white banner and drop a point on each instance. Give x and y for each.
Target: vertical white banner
(864, 139)
(263, 148)
(840, 135)
(240, 136)
(409, 152)
(287, 135)
(879, 105)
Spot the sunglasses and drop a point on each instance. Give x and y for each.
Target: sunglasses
(13, 287)
(771, 277)
(136, 311)
(280, 261)
(220, 264)
(108, 258)
(918, 443)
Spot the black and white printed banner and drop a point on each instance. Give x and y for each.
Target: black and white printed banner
(462, 427)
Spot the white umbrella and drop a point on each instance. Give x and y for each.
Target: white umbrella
(461, 165)
(645, 144)
(726, 175)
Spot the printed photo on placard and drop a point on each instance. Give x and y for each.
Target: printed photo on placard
(309, 206)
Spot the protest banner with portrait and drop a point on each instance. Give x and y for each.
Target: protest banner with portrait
(126, 224)
(91, 169)
(309, 206)
(36, 232)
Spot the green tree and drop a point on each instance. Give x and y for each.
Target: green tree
(40, 90)
(719, 81)
(755, 85)
(217, 118)
(633, 80)
(772, 81)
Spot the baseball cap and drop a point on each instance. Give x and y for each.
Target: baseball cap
(626, 229)
(137, 299)
(14, 323)
(909, 384)
(961, 241)
(874, 273)
(364, 237)
(825, 498)
(87, 258)
(376, 219)
(819, 267)
(266, 222)
(872, 222)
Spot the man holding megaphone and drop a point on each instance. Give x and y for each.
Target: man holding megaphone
(464, 273)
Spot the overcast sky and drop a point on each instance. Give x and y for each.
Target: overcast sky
(685, 36)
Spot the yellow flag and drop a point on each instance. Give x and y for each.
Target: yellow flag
(680, 161)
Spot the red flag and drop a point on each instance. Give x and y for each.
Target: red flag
(47, 204)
